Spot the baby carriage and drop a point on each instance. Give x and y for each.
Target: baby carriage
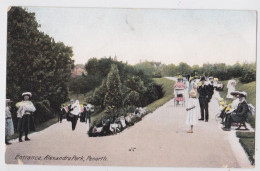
(179, 98)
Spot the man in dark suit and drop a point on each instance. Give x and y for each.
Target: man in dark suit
(204, 99)
(238, 115)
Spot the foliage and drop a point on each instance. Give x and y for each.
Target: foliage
(98, 96)
(247, 140)
(251, 120)
(167, 86)
(249, 146)
(245, 134)
(247, 71)
(250, 88)
(36, 63)
(136, 87)
(147, 67)
(113, 95)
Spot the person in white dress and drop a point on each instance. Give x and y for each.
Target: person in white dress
(24, 115)
(9, 127)
(235, 101)
(231, 85)
(191, 109)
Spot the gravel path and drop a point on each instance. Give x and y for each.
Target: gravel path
(160, 139)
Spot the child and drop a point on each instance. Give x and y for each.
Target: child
(191, 109)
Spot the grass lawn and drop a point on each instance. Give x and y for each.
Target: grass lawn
(38, 128)
(247, 140)
(250, 88)
(167, 88)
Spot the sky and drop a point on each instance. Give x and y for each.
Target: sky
(161, 35)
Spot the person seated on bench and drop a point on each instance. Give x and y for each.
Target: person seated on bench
(233, 106)
(235, 102)
(240, 114)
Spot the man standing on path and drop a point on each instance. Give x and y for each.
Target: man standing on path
(204, 99)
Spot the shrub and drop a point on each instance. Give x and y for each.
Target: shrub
(249, 146)
(43, 112)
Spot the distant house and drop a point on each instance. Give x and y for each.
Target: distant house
(156, 64)
(78, 70)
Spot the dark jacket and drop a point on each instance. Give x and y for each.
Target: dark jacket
(205, 92)
(241, 113)
(67, 115)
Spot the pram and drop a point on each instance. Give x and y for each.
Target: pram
(179, 98)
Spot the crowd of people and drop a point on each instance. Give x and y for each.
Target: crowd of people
(200, 92)
(25, 121)
(74, 111)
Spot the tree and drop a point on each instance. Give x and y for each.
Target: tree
(113, 97)
(147, 67)
(36, 63)
(183, 68)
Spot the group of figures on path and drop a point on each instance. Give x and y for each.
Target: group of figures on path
(200, 93)
(25, 122)
(74, 111)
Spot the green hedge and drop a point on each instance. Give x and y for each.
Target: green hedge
(249, 146)
(245, 134)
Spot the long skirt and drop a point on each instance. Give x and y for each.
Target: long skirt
(9, 127)
(230, 90)
(191, 118)
(25, 124)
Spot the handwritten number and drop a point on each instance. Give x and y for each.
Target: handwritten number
(132, 149)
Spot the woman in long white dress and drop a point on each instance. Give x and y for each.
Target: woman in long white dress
(231, 85)
(24, 114)
(9, 127)
(191, 119)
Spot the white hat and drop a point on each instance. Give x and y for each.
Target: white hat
(27, 94)
(242, 94)
(210, 77)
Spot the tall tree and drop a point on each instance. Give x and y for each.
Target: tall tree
(36, 63)
(113, 97)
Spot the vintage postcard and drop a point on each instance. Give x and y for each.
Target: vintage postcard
(130, 87)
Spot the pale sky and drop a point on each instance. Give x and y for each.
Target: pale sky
(167, 36)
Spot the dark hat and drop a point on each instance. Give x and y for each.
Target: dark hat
(234, 93)
(202, 79)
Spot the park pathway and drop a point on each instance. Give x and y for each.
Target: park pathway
(160, 139)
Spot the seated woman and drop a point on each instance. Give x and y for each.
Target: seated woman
(235, 102)
(231, 107)
(238, 115)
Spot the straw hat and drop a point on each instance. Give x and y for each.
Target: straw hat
(242, 94)
(27, 94)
